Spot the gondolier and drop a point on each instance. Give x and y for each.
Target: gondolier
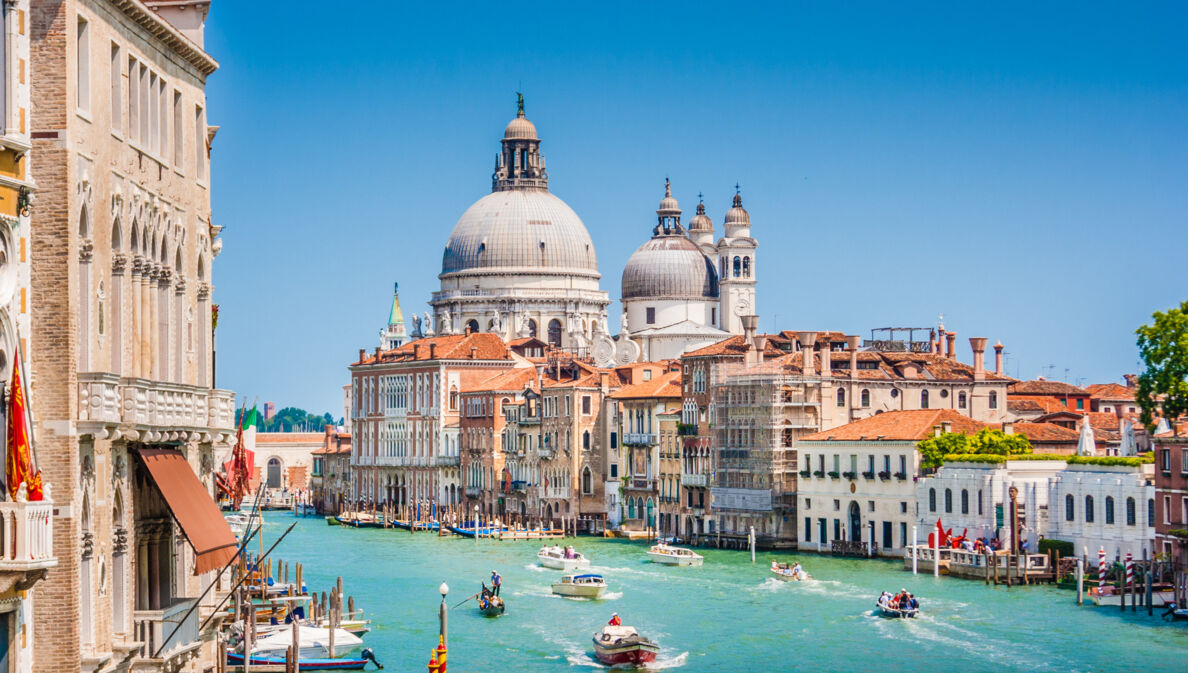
(496, 582)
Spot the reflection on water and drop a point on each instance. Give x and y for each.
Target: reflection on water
(726, 616)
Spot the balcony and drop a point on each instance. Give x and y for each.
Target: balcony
(687, 430)
(473, 491)
(26, 535)
(153, 629)
(447, 461)
(519, 486)
(530, 420)
(639, 438)
(160, 411)
(640, 484)
(698, 480)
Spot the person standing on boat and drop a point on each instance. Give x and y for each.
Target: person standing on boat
(496, 582)
(615, 621)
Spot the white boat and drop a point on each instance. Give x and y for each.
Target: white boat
(1113, 598)
(674, 556)
(788, 573)
(238, 523)
(888, 609)
(566, 559)
(314, 642)
(580, 586)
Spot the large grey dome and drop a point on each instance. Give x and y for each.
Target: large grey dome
(525, 230)
(669, 267)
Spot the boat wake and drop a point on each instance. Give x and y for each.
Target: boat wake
(578, 657)
(674, 662)
(612, 595)
(537, 568)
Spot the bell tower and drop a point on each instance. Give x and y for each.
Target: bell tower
(736, 267)
(520, 165)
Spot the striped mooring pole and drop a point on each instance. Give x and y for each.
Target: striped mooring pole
(1129, 569)
(1101, 569)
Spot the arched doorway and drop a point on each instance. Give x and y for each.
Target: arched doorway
(855, 521)
(274, 473)
(651, 516)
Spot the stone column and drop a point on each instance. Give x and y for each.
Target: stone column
(137, 317)
(118, 265)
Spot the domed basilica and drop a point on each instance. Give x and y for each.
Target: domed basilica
(520, 263)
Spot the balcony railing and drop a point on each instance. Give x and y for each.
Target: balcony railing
(105, 398)
(447, 461)
(646, 438)
(152, 627)
(26, 535)
(688, 479)
(519, 486)
(473, 491)
(687, 430)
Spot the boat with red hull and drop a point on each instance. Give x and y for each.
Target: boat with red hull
(619, 645)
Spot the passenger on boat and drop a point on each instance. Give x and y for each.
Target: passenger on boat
(796, 569)
(615, 621)
(272, 619)
(496, 582)
(569, 553)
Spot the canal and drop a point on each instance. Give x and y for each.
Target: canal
(726, 616)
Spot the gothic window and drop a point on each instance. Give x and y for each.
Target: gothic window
(865, 398)
(961, 400)
(923, 399)
(586, 440)
(555, 332)
(746, 267)
(841, 397)
(737, 267)
(587, 481)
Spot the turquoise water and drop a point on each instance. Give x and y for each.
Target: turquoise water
(725, 616)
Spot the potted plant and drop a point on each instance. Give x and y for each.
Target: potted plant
(884, 475)
(901, 476)
(850, 475)
(868, 475)
(833, 475)
(819, 473)
(805, 474)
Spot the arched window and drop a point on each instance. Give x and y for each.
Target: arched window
(1131, 515)
(1109, 507)
(948, 501)
(932, 500)
(532, 328)
(964, 501)
(746, 267)
(1070, 508)
(993, 399)
(630, 508)
(721, 266)
(960, 400)
(923, 399)
(472, 325)
(737, 267)
(587, 481)
(1088, 509)
(586, 440)
(651, 517)
(841, 397)
(865, 398)
(555, 332)
(1150, 511)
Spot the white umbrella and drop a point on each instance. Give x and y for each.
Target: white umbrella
(1129, 447)
(1085, 445)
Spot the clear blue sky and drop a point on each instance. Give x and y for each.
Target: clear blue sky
(1019, 167)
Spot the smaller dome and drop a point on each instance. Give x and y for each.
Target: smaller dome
(737, 214)
(520, 129)
(701, 221)
(669, 267)
(668, 204)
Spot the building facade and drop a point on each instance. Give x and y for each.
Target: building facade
(1171, 497)
(648, 413)
(122, 249)
(330, 480)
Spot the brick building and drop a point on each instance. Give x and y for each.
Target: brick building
(126, 414)
(1171, 496)
(330, 478)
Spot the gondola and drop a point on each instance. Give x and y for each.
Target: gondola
(491, 606)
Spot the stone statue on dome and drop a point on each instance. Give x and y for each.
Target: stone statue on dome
(445, 323)
(416, 327)
(428, 325)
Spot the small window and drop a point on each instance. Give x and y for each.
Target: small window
(948, 501)
(993, 399)
(737, 267)
(865, 398)
(964, 501)
(586, 440)
(960, 400)
(923, 399)
(1109, 510)
(200, 144)
(82, 71)
(1088, 509)
(932, 500)
(1080, 404)
(117, 93)
(614, 473)
(651, 315)
(841, 397)
(1131, 515)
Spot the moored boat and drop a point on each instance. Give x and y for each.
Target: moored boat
(561, 559)
(481, 532)
(674, 556)
(333, 521)
(1112, 597)
(618, 645)
(314, 642)
(310, 664)
(580, 586)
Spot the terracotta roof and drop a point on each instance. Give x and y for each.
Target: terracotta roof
(1046, 432)
(1025, 406)
(883, 366)
(666, 385)
(1043, 387)
(909, 426)
(486, 346)
(514, 380)
(733, 346)
(1110, 391)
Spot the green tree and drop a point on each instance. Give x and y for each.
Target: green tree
(1163, 346)
(934, 449)
(993, 441)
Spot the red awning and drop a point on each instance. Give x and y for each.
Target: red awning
(196, 512)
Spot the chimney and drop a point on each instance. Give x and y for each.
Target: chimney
(760, 346)
(377, 353)
(1131, 380)
(807, 341)
(998, 358)
(416, 351)
(1008, 428)
(362, 354)
(474, 352)
(946, 427)
(933, 341)
(603, 381)
(950, 338)
(978, 344)
(432, 350)
(750, 323)
(852, 346)
(827, 358)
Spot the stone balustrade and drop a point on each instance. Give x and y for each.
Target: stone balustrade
(160, 411)
(26, 534)
(165, 634)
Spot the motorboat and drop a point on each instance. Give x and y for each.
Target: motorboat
(674, 556)
(888, 608)
(580, 586)
(566, 560)
(1111, 597)
(491, 606)
(792, 573)
(313, 642)
(351, 663)
(238, 522)
(617, 645)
